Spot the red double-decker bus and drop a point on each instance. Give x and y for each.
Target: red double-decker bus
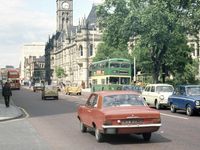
(14, 78)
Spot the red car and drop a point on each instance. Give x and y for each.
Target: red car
(118, 112)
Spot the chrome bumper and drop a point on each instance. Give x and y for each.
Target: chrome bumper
(131, 126)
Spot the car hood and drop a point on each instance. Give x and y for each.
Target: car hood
(130, 111)
(191, 97)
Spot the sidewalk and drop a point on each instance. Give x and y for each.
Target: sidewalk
(9, 113)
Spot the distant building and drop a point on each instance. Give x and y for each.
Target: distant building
(30, 52)
(72, 47)
(194, 42)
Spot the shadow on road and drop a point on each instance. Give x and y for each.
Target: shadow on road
(132, 139)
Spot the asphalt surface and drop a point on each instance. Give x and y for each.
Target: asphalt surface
(52, 124)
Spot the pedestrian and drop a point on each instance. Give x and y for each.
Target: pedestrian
(29, 84)
(6, 92)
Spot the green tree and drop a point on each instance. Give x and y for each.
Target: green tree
(111, 16)
(162, 26)
(59, 72)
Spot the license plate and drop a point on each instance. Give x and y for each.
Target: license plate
(132, 121)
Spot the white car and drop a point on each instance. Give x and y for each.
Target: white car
(156, 95)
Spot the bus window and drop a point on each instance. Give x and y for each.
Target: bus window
(125, 80)
(94, 82)
(106, 65)
(114, 65)
(102, 81)
(125, 65)
(114, 80)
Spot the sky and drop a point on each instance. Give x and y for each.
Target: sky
(27, 21)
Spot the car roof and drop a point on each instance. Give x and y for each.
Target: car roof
(160, 84)
(189, 85)
(107, 93)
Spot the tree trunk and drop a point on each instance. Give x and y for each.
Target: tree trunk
(155, 73)
(163, 72)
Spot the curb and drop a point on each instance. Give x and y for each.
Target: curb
(9, 116)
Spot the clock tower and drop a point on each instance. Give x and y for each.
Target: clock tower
(64, 14)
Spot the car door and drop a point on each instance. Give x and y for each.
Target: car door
(181, 102)
(178, 97)
(93, 109)
(175, 97)
(145, 94)
(86, 111)
(152, 95)
(89, 109)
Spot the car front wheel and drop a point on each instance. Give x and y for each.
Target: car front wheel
(157, 105)
(189, 110)
(172, 108)
(98, 135)
(146, 136)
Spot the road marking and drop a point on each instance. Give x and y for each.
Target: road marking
(173, 116)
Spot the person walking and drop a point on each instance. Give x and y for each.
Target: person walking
(6, 92)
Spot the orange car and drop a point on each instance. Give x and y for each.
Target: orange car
(118, 112)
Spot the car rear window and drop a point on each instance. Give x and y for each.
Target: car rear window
(123, 100)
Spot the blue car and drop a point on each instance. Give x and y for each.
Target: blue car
(185, 97)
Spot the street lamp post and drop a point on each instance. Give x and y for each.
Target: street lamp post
(134, 71)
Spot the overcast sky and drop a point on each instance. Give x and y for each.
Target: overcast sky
(27, 21)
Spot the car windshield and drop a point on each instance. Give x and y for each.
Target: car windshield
(164, 89)
(193, 90)
(123, 100)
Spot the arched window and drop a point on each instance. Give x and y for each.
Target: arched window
(81, 50)
(91, 50)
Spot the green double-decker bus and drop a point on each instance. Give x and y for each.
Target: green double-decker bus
(110, 74)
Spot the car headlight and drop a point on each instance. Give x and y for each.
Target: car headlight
(161, 97)
(197, 103)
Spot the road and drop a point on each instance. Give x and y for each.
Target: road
(52, 125)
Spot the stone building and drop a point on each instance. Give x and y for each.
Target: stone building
(29, 51)
(72, 48)
(35, 69)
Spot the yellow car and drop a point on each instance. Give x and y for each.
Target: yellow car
(50, 91)
(73, 90)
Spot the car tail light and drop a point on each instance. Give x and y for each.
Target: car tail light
(156, 120)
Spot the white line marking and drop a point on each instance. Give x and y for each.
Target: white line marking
(173, 116)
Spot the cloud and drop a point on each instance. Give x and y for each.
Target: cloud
(19, 25)
(97, 1)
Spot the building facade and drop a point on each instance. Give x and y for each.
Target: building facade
(72, 48)
(30, 52)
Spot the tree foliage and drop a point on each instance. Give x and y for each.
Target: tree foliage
(59, 72)
(162, 27)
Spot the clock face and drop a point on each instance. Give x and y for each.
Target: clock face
(65, 5)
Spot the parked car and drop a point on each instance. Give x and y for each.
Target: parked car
(73, 89)
(185, 97)
(50, 91)
(118, 112)
(132, 88)
(156, 95)
(38, 87)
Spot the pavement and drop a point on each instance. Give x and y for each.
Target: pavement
(9, 113)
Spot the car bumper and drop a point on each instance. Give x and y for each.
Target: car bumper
(130, 129)
(163, 102)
